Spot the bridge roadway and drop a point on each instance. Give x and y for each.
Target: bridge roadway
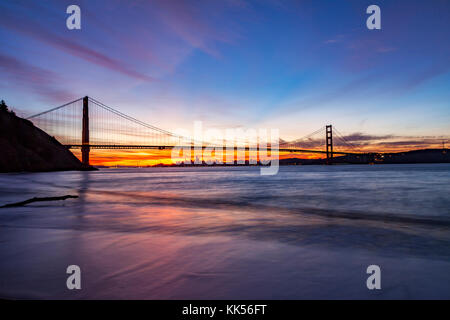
(116, 146)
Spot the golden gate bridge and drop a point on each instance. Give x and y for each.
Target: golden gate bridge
(86, 124)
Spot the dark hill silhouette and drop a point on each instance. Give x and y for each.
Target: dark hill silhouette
(405, 157)
(24, 147)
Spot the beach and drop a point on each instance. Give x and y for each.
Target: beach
(309, 232)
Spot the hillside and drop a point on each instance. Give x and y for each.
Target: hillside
(414, 156)
(24, 147)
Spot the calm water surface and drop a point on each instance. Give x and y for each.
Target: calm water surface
(213, 233)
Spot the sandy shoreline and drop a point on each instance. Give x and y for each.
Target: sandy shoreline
(120, 265)
(217, 234)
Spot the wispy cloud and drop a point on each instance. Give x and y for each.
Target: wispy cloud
(431, 72)
(189, 22)
(359, 137)
(386, 49)
(41, 81)
(359, 142)
(34, 30)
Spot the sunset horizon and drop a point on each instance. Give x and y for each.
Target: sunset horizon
(296, 67)
(224, 159)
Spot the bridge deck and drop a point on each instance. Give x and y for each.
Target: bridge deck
(292, 150)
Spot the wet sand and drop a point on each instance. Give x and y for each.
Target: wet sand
(165, 239)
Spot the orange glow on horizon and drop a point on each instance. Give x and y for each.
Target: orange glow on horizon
(100, 157)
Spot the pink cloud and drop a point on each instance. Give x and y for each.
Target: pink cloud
(188, 23)
(41, 81)
(35, 31)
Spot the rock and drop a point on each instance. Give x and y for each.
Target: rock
(24, 147)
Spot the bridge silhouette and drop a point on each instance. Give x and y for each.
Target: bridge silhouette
(88, 124)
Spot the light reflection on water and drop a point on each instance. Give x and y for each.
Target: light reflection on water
(308, 232)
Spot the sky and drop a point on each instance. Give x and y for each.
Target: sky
(291, 65)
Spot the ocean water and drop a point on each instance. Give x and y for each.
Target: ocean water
(229, 233)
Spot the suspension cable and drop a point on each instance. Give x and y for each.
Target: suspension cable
(54, 109)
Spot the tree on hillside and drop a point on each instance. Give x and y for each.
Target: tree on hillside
(3, 106)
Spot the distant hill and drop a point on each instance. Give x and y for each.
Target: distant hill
(415, 156)
(24, 147)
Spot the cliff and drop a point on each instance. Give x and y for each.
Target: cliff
(24, 147)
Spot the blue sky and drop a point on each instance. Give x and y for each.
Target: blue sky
(292, 65)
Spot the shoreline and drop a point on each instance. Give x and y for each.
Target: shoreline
(183, 234)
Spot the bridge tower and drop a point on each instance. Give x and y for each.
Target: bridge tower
(329, 141)
(85, 133)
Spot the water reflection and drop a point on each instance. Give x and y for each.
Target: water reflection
(308, 232)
